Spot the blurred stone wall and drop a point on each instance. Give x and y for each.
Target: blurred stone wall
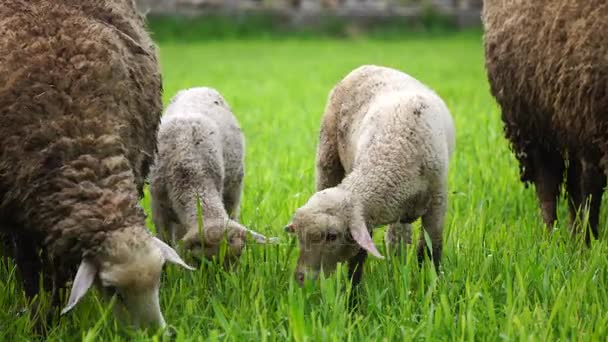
(466, 11)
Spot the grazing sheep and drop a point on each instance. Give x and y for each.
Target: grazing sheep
(80, 103)
(200, 155)
(548, 69)
(383, 154)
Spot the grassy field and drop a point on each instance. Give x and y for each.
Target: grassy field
(503, 276)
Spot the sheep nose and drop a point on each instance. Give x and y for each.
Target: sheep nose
(300, 278)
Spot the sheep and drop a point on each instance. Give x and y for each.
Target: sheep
(547, 67)
(200, 158)
(80, 104)
(382, 158)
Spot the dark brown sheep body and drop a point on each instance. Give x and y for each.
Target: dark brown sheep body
(80, 103)
(547, 63)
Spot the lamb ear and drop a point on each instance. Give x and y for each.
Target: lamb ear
(170, 254)
(290, 228)
(361, 235)
(259, 238)
(87, 271)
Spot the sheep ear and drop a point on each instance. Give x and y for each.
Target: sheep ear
(170, 254)
(361, 235)
(259, 238)
(82, 282)
(290, 228)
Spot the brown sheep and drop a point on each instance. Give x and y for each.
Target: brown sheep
(80, 103)
(547, 63)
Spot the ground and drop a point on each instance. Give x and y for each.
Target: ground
(503, 276)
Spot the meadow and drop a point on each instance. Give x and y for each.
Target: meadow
(503, 276)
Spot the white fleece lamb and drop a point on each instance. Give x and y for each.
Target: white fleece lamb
(384, 148)
(200, 153)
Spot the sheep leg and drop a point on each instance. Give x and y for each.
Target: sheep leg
(160, 213)
(355, 267)
(7, 243)
(6, 247)
(573, 186)
(548, 175)
(398, 234)
(432, 223)
(355, 274)
(25, 254)
(232, 198)
(586, 184)
(593, 181)
(54, 279)
(187, 213)
(28, 262)
(329, 174)
(330, 171)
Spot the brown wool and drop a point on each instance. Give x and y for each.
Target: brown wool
(80, 104)
(547, 64)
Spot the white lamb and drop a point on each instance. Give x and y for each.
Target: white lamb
(383, 155)
(200, 158)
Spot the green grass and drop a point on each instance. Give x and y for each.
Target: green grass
(258, 25)
(503, 276)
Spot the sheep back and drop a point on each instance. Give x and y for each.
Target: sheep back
(200, 144)
(374, 88)
(79, 110)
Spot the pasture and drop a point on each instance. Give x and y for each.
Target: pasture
(503, 277)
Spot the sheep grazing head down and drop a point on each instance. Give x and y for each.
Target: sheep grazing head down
(209, 243)
(330, 228)
(128, 267)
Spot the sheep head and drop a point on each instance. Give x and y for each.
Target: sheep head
(129, 268)
(215, 232)
(330, 228)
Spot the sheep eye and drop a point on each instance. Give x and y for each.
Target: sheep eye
(331, 237)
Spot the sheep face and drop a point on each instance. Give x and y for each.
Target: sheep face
(134, 278)
(209, 244)
(130, 270)
(330, 228)
(216, 232)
